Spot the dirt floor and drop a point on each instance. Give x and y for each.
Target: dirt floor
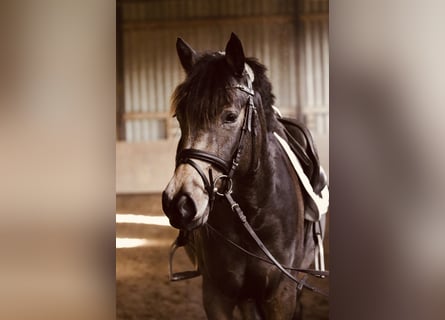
(143, 290)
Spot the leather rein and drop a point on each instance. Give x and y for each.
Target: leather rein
(222, 186)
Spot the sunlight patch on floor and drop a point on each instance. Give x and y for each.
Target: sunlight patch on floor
(139, 242)
(142, 219)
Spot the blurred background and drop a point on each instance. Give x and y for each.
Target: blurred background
(61, 134)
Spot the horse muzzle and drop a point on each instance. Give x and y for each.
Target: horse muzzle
(182, 211)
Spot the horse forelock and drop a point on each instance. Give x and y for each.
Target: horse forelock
(203, 94)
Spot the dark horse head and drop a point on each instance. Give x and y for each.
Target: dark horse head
(212, 111)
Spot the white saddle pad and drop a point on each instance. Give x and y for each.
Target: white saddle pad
(320, 203)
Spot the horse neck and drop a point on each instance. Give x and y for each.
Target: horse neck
(256, 185)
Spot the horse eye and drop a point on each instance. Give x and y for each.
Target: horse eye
(230, 117)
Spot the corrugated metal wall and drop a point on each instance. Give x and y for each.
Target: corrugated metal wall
(158, 10)
(297, 61)
(314, 65)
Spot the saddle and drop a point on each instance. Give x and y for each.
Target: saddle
(302, 144)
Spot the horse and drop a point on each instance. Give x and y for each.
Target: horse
(228, 149)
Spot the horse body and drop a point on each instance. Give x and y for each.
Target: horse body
(264, 186)
(230, 277)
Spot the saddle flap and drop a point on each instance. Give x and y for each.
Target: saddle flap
(302, 144)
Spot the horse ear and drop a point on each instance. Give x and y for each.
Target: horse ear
(235, 55)
(186, 54)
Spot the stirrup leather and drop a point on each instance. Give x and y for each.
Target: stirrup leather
(319, 256)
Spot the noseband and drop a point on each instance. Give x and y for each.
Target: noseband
(222, 184)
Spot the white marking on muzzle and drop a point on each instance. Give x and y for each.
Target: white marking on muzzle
(187, 179)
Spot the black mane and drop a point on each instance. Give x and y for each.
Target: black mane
(203, 94)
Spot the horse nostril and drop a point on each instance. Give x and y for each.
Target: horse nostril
(180, 210)
(186, 207)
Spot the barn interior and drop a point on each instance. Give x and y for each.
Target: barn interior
(290, 37)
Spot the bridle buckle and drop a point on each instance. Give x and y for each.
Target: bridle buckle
(222, 185)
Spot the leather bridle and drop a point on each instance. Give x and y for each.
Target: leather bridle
(228, 168)
(222, 186)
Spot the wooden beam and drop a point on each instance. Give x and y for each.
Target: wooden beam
(205, 21)
(146, 115)
(315, 109)
(314, 16)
